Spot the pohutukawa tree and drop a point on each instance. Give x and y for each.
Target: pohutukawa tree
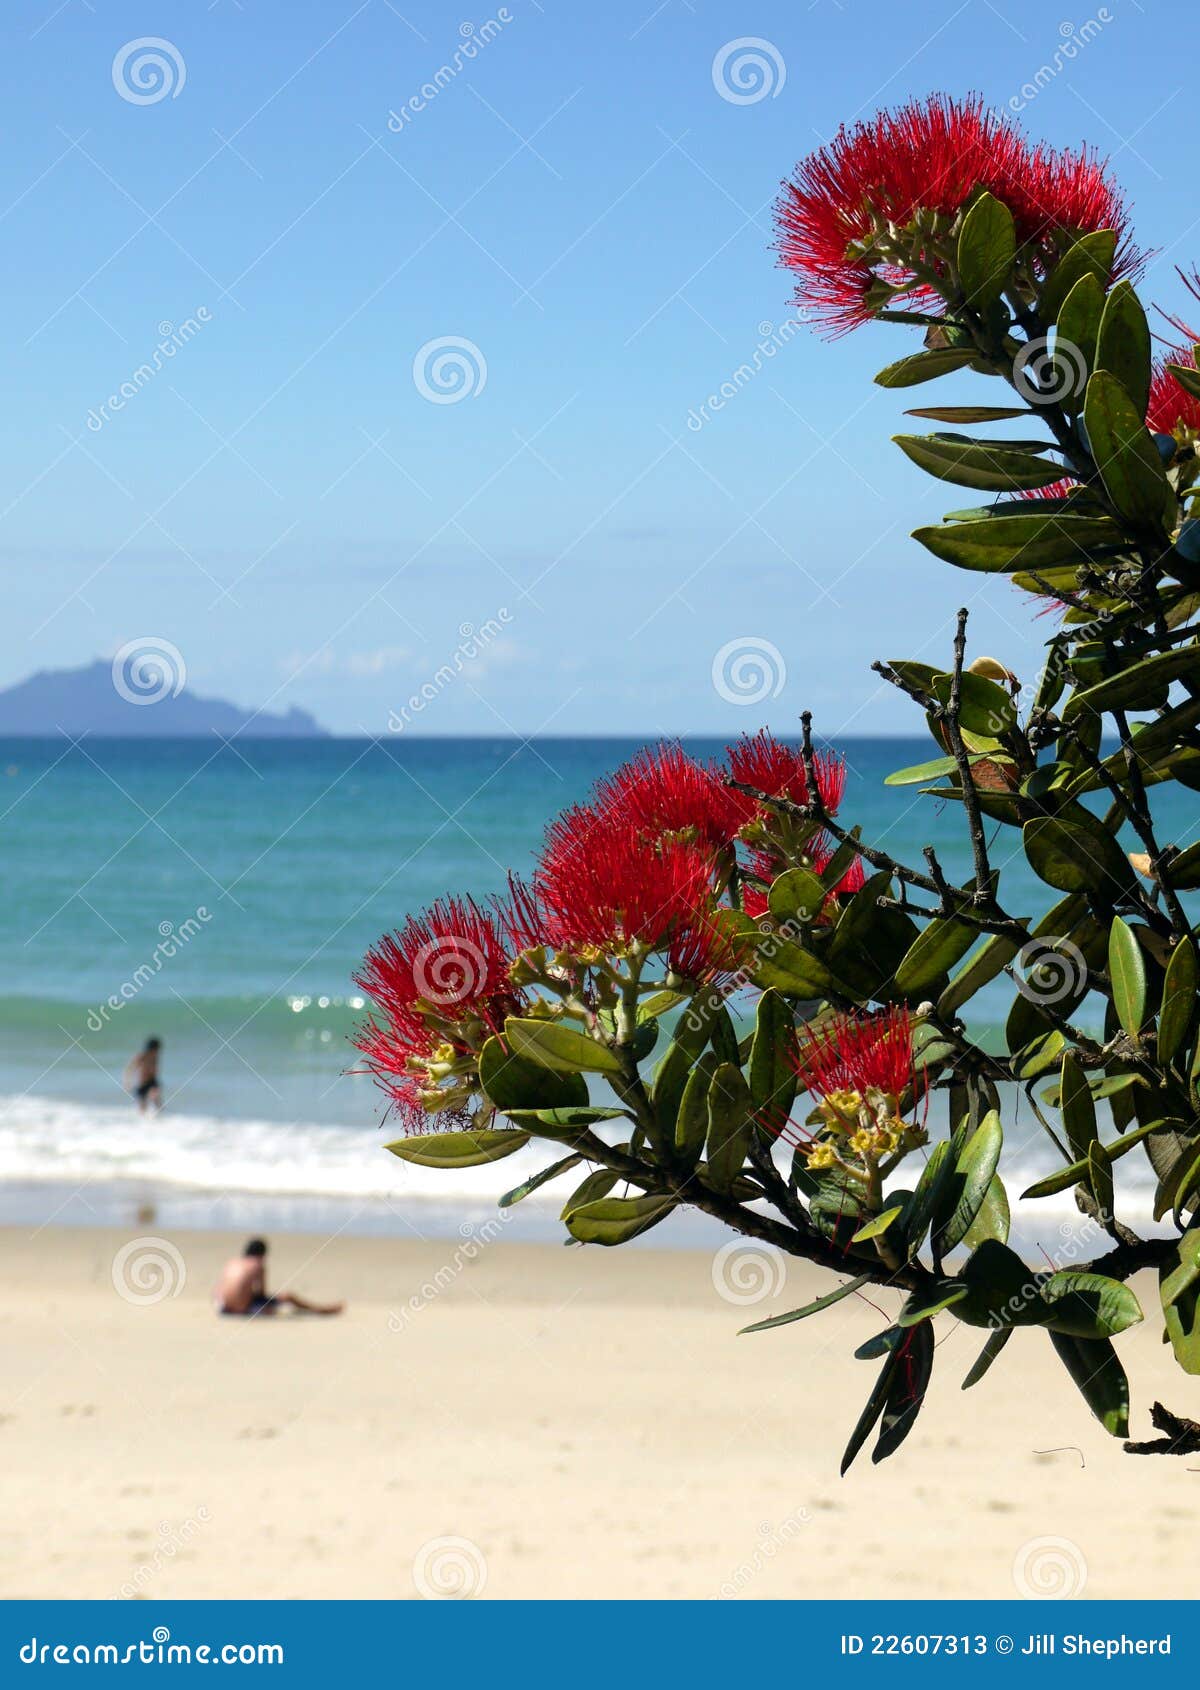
(589, 1009)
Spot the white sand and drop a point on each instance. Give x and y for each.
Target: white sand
(585, 1422)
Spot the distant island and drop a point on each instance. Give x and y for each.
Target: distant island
(112, 700)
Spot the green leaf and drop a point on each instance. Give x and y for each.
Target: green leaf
(466, 1149)
(1181, 1273)
(825, 1302)
(1074, 856)
(968, 413)
(870, 1415)
(919, 773)
(987, 248)
(510, 1082)
(1078, 1108)
(1185, 869)
(923, 1305)
(1075, 341)
(1002, 545)
(1088, 1305)
(730, 1122)
(691, 1120)
(928, 1196)
(796, 895)
(1096, 1370)
(991, 467)
(558, 1123)
(615, 1220)
(1129, 462)
(773, 1062)
(932, 955)
(993, 1220)
(882, 1344)
(1092, 255)
(925, 366)
(842, 861)
(983, 707)
(1140, 686)
(1179, 1288)
(1188, 379)
(993, 1344)
(1178, 1000)
(596, 1185)
(992, 957)
(878, 1225)
(967, 1185)
(783, 967)
(561, 1049)
(869, 942)
(1178, 1185)
(1127, 972)
(1123, 344)
(1078, 1170)
(536, 1180)
(1003, 1291)
(1100, 1179)
(1039, 1055)
(906, 1391)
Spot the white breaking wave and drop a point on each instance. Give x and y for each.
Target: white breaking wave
(49, 1139)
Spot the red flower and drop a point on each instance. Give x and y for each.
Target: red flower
(765, 865)
(821, 855)
(443, 967)
(602, 884)
(778, 771)
(1171, 406)
(663, 790)
(1056, 489)
(928, 156)
(755, 902)
(519, 917)
(859, 1054)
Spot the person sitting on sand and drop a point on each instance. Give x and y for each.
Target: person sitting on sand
(242, 1287)
(141, 1076)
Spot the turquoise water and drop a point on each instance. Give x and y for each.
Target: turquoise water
(268, 869)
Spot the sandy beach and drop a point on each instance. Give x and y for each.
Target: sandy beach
(534, 1421)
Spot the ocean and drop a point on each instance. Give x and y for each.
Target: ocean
(221, 896)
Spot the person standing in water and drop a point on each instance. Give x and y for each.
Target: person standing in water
(141, 1076)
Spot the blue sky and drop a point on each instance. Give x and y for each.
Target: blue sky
(584, 208)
